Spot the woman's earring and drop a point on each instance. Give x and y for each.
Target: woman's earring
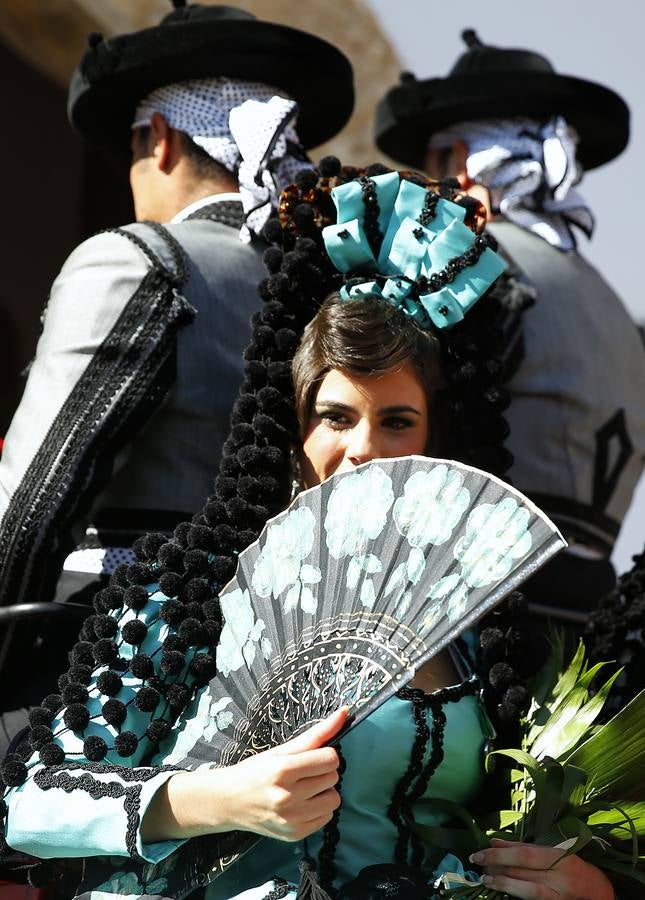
(296, 476)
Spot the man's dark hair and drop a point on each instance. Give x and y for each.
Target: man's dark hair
(203, 165)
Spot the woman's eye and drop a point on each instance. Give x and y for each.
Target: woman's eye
(398, 423)
(334, 419)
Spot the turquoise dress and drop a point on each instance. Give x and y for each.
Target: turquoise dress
(98, 819)
(377, 753)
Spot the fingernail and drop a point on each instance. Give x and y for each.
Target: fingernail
(476, 857)
(487, 879)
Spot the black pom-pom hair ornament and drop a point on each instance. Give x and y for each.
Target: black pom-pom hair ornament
(175, 582)
(616, 631)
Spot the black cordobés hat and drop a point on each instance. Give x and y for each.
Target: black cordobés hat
(197, 41)
(496, 82)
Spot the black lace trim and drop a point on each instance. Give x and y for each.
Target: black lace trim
(371, 214)
(59, 777)
(281, 889)
(226, 212)
(429, 210)
(414, 782)
(331, 835)
(124, 383)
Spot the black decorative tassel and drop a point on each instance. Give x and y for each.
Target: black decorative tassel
(309, 887)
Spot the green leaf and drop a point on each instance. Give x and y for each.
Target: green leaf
(574, 784)
(551, 689)
(566, 829)
(548, 804)
(548, 676)
(625, 869)
(453, 811)
(615, 817)
(627, 823)
(547, 741)
(568, 680)
(614, 757)
(578, 728)
(570, 722)
(520, 756)
(501, 819)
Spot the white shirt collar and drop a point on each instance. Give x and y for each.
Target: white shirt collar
(204, 201)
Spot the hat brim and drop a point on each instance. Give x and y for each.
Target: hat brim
(412, 112)
(109, 84)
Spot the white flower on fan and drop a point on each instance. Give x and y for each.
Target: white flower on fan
(495, 538)
(301, 593)
(280, 563)
(240, 634)
(457, 602)
(403, 575)
(369, 564)
(357, 511)
(210, 717)
(432, 505)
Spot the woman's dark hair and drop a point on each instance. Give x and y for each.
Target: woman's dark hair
(364, 337)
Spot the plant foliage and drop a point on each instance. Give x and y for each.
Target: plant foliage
(572, 783)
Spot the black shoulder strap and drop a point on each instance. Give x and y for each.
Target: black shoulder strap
(179, 272)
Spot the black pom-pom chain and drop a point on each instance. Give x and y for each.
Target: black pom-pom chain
(616, 631)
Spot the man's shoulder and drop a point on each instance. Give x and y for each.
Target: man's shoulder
(202, 240)
(104, 256)
(119, 259)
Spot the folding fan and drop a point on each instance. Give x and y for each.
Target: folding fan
(353, 588)
(345, 595)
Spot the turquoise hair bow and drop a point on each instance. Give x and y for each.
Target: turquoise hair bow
(436, 268)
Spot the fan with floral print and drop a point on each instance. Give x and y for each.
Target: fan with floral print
(354, 587)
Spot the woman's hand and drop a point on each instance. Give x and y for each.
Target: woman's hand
(534, 873)
(285, 793)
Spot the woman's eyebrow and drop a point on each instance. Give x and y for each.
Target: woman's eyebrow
(335, 403)
(394, 410)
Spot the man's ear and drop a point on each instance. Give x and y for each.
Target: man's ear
(160, 138)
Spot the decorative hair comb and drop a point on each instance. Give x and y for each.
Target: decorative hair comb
(409, 245)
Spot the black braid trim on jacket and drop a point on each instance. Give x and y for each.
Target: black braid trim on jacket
(226, 212)
(123, 385)
(59, 777)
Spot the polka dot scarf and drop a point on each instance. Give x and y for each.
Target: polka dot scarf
(530, 171)
(247, 127)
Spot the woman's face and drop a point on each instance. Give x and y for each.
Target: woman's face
(358, 418)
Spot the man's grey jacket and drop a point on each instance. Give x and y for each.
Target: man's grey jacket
(577, 414)
(127, 400)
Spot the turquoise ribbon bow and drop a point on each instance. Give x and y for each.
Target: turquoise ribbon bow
(414, 244)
